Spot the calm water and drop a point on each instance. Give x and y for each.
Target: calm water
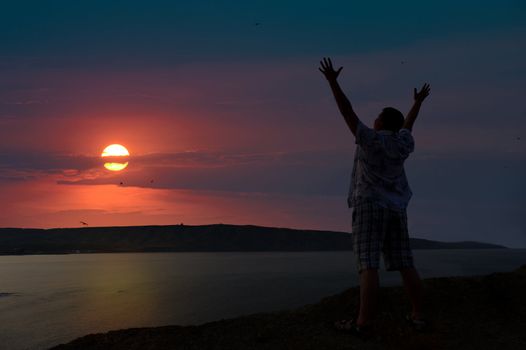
(56, 298)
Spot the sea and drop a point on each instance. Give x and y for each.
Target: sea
(46, 300)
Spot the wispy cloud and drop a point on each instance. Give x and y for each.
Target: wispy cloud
(191, 169)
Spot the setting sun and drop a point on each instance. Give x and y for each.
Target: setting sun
(115, 151)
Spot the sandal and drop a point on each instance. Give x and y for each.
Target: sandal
(418, 324)
(350, 327)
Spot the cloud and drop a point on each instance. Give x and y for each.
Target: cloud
(307, 172)
(46, 162)
(483, 175)
(200, 169)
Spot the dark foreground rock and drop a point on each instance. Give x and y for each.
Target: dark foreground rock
(486, 312)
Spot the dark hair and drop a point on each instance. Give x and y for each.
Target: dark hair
(392, 119)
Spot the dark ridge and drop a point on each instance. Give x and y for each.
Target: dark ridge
(185, 238)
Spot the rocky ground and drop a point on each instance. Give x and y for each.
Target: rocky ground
(486, 312)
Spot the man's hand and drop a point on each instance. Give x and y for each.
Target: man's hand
(421, 95)
(341, 100)
(328, 70)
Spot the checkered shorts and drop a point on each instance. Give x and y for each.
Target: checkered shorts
(375, 229)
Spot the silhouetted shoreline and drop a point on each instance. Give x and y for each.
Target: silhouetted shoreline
(481, 312)
(186, 238)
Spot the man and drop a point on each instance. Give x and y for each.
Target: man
(379, 196)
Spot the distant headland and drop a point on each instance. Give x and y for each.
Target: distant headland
(186, 238)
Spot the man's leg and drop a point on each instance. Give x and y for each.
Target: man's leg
(368, 233)
(413, 287)
(368, 296)
(399, 256)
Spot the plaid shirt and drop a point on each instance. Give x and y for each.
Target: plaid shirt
(378, 172)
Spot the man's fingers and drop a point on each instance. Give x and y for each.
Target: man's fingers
(425, 89)
(324, 66)
(423, 93)
(327, 66)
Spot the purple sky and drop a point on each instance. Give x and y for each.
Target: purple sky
(234, 123)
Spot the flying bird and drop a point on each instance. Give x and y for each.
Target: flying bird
(84, 223)
(121, 183)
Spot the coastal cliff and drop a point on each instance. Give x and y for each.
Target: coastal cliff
(482, 312)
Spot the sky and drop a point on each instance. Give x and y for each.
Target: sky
(228, 120)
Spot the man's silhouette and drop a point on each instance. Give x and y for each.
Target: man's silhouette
(379, 195)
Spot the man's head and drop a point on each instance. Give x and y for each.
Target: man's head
(390, 119)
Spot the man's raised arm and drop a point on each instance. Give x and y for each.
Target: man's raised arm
(420, 96)
(343, 103)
